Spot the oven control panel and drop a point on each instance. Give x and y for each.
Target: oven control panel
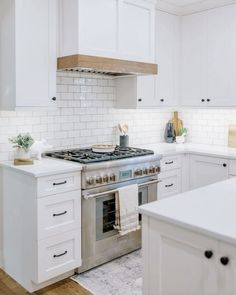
(113, 176)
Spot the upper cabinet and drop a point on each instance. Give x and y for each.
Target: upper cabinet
(167, 58)
(123, 29)
(208, 58)
(28, 53)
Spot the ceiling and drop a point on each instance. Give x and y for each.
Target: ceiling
(184, 2)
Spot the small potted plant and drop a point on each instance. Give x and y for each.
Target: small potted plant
(22, 143)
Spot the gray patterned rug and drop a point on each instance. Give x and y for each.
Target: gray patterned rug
(122, 276)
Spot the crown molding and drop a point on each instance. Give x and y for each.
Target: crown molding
(192, 8)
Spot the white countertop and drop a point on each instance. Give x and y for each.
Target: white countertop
(44, 167)
(210, 210)
(211, 150)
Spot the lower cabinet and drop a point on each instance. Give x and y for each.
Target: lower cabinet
(183, 262)
(46, 222)
(206, 170)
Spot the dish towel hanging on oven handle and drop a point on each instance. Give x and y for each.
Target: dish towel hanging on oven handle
(127, 209)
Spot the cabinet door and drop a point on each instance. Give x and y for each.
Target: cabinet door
(146, 91)
(35, 53)
(227, 273)
(98, 27)
(167, 53)
(207, 170)
(137, 30)
(221, 58)
(194, 60)
(177, 262)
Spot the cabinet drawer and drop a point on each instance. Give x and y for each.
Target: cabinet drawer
(170, 162)
(59, 213)
(58, 255)
(170, 184)
(58, 184)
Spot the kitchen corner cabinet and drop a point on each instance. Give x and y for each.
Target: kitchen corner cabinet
(167, 58)
(135, 92)
(208, 65)
(179, 261)
(206, 170)
(129, 35)
(28, 53)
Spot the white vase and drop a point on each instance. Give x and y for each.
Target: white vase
(22, 154)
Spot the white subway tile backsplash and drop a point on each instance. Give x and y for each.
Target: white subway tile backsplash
(86, 115)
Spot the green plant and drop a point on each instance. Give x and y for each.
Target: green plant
(23, 141)
(182, 131)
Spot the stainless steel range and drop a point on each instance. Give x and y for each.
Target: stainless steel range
(102, 175)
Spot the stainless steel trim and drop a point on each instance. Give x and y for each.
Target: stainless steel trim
(89, 196)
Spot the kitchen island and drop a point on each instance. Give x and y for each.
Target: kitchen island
(189, 242)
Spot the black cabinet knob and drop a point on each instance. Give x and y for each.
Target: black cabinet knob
(203, 100)
(208, 254)
(208, 100)
(224, 260)
(224, 165)
(140, 99)
(162, 100)
(54, 98)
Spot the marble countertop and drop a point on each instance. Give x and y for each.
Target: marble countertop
(44, 167)
(209, 210)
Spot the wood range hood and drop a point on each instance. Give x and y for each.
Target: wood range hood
(104, 65)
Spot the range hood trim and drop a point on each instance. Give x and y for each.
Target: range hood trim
(105, 65)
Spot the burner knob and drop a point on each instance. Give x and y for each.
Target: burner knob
(151, 169)
(158, 169)
(99, 180)
(112, 177)
(138, 172)
(145, 171)
(90, 180)
(105, 178)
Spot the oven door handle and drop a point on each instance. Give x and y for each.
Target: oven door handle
(89, 196)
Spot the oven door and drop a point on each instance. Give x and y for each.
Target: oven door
(100, 241)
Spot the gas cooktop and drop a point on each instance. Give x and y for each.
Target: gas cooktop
(86, 155)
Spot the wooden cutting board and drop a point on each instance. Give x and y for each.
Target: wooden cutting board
(232, 136)
(178, 124)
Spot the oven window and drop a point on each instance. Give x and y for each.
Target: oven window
(109, 215)
(105, 217)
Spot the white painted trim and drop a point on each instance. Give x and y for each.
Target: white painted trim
(192, 8)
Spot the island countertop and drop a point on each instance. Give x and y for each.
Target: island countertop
(210, 210)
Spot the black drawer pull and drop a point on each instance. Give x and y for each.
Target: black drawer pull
(59, 214)
(224, 260)
(168, 163)
(224, 165)
(208, 254)
(59, 183)
(169, 185)
(59, 255)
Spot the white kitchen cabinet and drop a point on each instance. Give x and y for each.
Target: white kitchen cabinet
(193, 59)
(28, 53)
(221, 58)
(177, 262)
(135, 92)
(183, 262)
(227, 272)
(206, 170)
(208, 58)
(84, 29)
(167, 58)
(137, 30)
(46, 222)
